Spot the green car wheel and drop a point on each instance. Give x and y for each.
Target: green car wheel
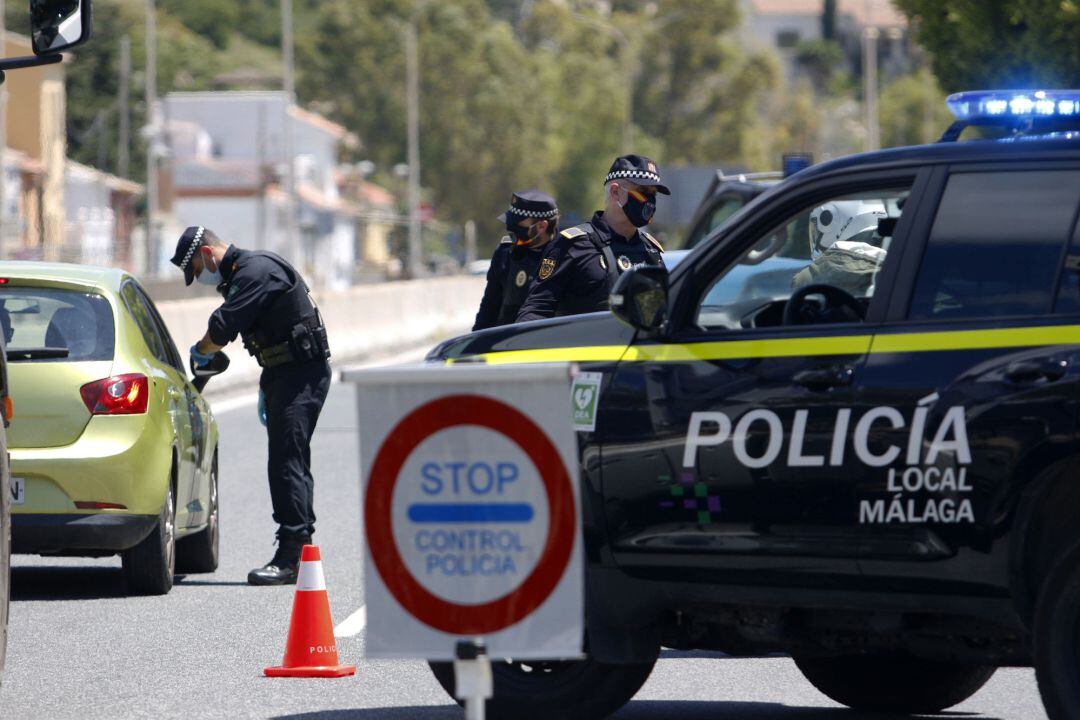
(150, 565)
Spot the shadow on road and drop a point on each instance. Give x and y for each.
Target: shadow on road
(67, 583)
(437, 712)
(703, 710)
(639, 710)
(183, 580)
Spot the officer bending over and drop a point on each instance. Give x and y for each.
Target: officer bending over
(581, 265)
(531, 222)
(268, 305)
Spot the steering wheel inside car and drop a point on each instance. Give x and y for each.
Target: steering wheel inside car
(838, 306)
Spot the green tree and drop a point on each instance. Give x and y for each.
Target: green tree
(585, 88)
(212, 19)
(997, 44)
(913, 110)
(481, 108)
(699, 89)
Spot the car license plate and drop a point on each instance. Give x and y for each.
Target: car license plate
(18, 490)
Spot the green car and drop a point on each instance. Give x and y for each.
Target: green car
(113, 449)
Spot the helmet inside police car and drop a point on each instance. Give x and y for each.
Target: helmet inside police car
(850, 220)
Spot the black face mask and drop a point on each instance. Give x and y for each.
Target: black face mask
(639, 212)
(525, 234)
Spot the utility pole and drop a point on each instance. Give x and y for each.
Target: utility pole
(412, 71)
(152, 139)
(292, 244)
(123, 151)
(870, 88)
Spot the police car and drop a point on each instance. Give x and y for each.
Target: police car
(872, 465)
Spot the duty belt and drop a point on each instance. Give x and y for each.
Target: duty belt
(308, 342)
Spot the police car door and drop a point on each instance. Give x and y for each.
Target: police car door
(731, 442)
(975, 366)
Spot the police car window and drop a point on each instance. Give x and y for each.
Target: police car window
(725, 208)
(996, 245)
(1068, 297)
(141, 313)
(841, 242)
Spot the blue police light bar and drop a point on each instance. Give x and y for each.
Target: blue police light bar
(989, 104)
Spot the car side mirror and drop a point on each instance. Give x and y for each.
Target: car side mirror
(59, 25)
(203, 373)
(640, 298)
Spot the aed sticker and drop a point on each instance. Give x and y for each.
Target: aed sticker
(585, 399)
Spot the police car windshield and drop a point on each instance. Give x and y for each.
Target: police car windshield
(841, 241)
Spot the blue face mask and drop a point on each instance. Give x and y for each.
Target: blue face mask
(213, 279)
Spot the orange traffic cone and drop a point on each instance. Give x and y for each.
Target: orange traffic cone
(311, 650)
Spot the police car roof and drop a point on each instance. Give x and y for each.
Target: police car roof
(1019, 148)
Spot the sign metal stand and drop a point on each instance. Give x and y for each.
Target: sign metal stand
(472, 677)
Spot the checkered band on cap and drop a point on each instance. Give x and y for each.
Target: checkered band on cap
(540, 214)
(631, 175)
(195, 243)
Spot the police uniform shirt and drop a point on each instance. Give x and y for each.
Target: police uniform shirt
(573, 276)
(512, 268)
(251, 283)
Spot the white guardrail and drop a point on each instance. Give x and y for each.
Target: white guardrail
(362, 321)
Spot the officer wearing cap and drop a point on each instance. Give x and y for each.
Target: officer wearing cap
(268, 304)
(581, 265)
(531, 222)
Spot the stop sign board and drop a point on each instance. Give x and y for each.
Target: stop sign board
(470, 510)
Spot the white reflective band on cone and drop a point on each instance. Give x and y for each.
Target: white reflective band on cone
(311, 576)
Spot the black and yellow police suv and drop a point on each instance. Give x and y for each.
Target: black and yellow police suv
(867, 458)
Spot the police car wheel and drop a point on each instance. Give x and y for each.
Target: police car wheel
(1057, 637)
(149, 566)
(893, 683)
(574, 690)
(199, 552)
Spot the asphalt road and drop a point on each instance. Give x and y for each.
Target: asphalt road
(80, 648)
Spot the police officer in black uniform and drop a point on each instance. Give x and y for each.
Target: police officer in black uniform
(268, 304)
(581, 265)
(531, 222)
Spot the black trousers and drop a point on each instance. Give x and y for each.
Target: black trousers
(295, 394)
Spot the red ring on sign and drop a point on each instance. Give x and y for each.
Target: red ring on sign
(414, 428)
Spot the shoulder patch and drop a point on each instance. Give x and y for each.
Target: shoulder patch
(546, 268)
(506, 240)
(654, 241)
(233, 289)
(574, 232)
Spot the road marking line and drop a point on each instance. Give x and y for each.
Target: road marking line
(352, 625)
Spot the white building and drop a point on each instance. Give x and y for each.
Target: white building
(100, 212)
(228, 173)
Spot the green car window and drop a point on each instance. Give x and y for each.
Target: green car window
(144, 319)
(35, 318)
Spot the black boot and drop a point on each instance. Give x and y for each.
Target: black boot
(283, 568)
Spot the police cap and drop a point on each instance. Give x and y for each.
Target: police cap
(186, 247)
(526, 204)
(639, 170)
